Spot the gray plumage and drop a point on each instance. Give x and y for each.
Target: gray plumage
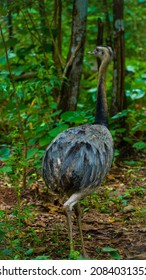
(78, 159)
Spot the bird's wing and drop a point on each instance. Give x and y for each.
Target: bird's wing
(76, 159)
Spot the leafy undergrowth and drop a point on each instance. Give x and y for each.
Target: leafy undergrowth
(33, 225)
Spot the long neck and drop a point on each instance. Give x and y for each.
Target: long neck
(101, 116)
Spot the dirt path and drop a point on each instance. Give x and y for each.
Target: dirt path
(115, 218)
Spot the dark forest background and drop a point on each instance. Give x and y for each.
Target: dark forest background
(48, 82)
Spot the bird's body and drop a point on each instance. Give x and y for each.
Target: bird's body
(78, 159)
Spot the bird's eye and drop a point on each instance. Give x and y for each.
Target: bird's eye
(99, 51)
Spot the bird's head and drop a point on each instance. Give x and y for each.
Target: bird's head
(102, 52)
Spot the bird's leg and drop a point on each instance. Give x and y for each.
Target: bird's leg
(68, 205)
(69, 222)
(78, 216)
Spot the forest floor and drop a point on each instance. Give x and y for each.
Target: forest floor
(113, 220)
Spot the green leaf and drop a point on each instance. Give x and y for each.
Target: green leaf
(32, 141)
(2, 234)
(92, 90)
(71, 116)
(139, 145)
(4, 72)
(29, 251)
(2, 212)
(127, 139)
(143, 75)
(55, 131)
(135, 93)
(12, 42)
(5, 169)
(17, 72)
(55, 113)
(130, 68)
(4, 153)
(115, 255)
(131, 162)
(124, 113)
(108, 249)
(112, 251)
(43, 257)
(7, 252)
(45, 140)
(31, 153)
(41, 153)
(116, 152)
(3, 60)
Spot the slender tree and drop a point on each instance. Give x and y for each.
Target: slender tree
(58, 23)
(108, 24)
(73, 69)
(43, 22)
(57, 50)
(118, 98)
(99, 37)
(10, 26)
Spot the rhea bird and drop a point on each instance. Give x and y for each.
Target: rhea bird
(78, 159)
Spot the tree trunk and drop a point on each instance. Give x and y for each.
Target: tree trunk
(99, 38)
(73, 69)
(108, 25)
(43, 22)
(10, 26)
(58, 39)
(58, 23)
(118, 97)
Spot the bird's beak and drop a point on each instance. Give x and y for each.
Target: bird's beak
(92, 52)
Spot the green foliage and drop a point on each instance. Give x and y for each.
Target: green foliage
(113, 252)
(74, 255)
(11, 234)
(72, 117)
(33, 106)
(133, 132)
(43, 257)
(30, 83)
(139, 145)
